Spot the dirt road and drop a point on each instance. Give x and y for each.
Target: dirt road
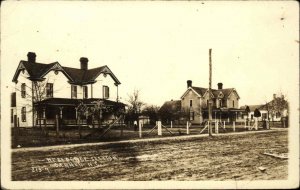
(226, 157)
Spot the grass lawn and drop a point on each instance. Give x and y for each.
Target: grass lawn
(223, 157)
(33, 137)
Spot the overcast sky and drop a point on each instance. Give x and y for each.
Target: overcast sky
(156, 47)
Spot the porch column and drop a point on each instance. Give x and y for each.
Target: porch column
(236, 116)
(44, 112)
(36, 117)
(44, 115)
(60, 112)
(215, 116)
(76, 115)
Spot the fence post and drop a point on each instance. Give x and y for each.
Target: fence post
(57, 124)
(256, 123)
(140, 129)
(208, 126)
(159, 132)
(224, 125)
(267, 124)
(171, 124)
(217, 127)
(233, 126)
(187, 128)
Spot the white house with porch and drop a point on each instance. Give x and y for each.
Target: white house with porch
(47, 90)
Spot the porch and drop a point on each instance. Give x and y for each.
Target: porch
(73, 112)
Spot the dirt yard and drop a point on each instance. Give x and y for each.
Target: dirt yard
(223, 157)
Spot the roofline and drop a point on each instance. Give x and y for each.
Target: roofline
(207, 92)
(16, 75)
(110, 73)
(63, 71)
(233, 89)
(190, 88)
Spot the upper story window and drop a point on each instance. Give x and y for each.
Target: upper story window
(105, 92)
(23, 90)
(23, 114)
(191, 103)
(49, 90)
(13, 100)
(73, 91)
(85, 92)
(220, 103)
(233, 103)
(207, 103)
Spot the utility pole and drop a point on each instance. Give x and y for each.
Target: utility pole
(209, 99)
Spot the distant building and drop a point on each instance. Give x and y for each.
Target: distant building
(48, 90)
(171, 111)
(250, 116)
(274, 110)
(194, 104)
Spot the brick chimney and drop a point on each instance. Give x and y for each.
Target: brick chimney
(189, 83)
(31, 57)
(84, 63)
(220, 86)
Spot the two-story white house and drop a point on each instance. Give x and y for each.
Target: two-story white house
(47, 90)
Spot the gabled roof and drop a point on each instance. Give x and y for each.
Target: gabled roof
(202, 91)
(37, 71)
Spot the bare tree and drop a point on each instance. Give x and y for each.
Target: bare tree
(152, 112)
(135, 106)
(34, 94)
(96, 112)
(277, 107)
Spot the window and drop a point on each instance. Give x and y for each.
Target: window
(220, 103)
(11, 115)
(49, 90)
(206, 103)
(85, 92)
(13, 100)
(233, 103)
(251, 116)
(192, 116)
(23, 114)
(105, 92)
(73, 91)
(23, 90)
(191, 103)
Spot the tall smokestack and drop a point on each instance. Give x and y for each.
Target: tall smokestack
(189, 83)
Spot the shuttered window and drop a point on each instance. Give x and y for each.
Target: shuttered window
(73, 91)
(23, 90)
(49, 90)
(23, 114)
(105, 92)
(85, 92)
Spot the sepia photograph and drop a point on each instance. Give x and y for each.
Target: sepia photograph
(149, 94)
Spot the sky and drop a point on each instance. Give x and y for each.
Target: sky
(155, 47)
